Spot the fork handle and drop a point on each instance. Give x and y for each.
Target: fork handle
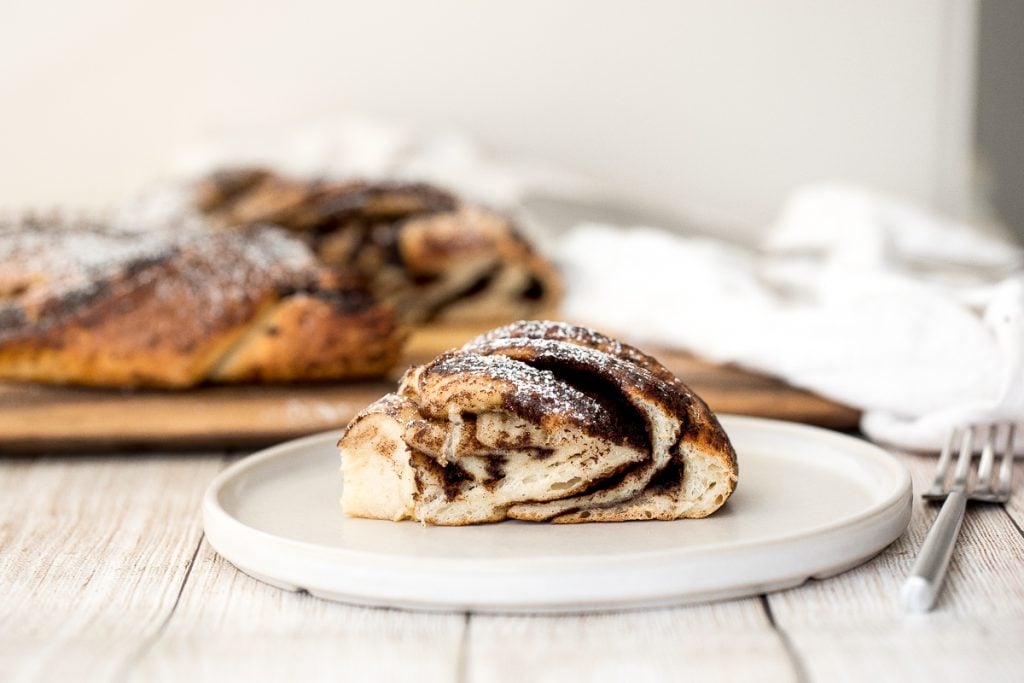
(922, 586)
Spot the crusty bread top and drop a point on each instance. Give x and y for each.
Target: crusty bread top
(553, 372)
(238, 196)
(474, 383)
(54, 267)
(558, 422)
(579, 336)
(701, 427)
(417, 245)
(175, 305)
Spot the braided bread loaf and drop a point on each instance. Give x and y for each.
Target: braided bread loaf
(537, 421)
(433, 256)
(92, 304)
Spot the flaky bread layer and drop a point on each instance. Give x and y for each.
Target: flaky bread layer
(538, 422)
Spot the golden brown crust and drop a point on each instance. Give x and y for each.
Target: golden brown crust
(127, 337)
(312, 336)
(419, 247)
(88, 307)
(238, 196)
(703, 427)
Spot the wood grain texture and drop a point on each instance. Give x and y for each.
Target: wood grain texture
(1015, 507)
(92, 555)
(724, 641)
(35, 418)
(96, 561)
(228, 626)
(38, 418)
(853, 628)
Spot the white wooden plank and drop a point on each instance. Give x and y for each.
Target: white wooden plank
(1015, 508)
(228, 626)
(852, 627)
(724, 641)
(93, 553)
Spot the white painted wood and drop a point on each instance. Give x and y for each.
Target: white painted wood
(852, 627)
(1015, 507)
(230, 627)
(722, 641)
(92, 554)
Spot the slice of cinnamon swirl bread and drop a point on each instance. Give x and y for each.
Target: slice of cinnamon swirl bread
(539, 421)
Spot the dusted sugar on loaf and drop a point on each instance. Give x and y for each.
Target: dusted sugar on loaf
(434, 256)
(178, 305)
(539, 421)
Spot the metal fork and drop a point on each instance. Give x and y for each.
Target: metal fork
(922, 586)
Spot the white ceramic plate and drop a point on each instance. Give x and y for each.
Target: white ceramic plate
(810, 503)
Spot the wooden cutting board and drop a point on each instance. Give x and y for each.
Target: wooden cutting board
(36, 419)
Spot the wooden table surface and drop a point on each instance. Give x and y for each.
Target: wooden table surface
(105, 575)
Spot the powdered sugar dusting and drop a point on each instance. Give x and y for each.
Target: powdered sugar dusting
(526, 386)
(553, 350)
(58, 248)
(555, 330)
(644, 376)
(580, 337)
(52, 264)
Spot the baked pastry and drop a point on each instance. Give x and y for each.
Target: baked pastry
(539, 421)
(92, 304)
(430, 254)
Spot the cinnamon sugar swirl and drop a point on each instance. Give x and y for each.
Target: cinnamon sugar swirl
(434, 256)
(539, 421)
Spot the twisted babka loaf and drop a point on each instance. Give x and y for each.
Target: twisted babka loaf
(91, 304)
(432, 255)
(537, 421)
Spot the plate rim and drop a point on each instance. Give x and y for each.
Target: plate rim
(898, 497)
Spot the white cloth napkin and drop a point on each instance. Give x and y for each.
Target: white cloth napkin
(917, 320)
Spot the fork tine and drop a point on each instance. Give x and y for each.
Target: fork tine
(929, 569)
(942, 468)
(983, 483)
(1006, 464)
(963, 463)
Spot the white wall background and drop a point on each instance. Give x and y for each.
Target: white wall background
(713, 110)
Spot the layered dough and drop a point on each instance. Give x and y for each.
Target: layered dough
(430, 254)
(537, 421)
